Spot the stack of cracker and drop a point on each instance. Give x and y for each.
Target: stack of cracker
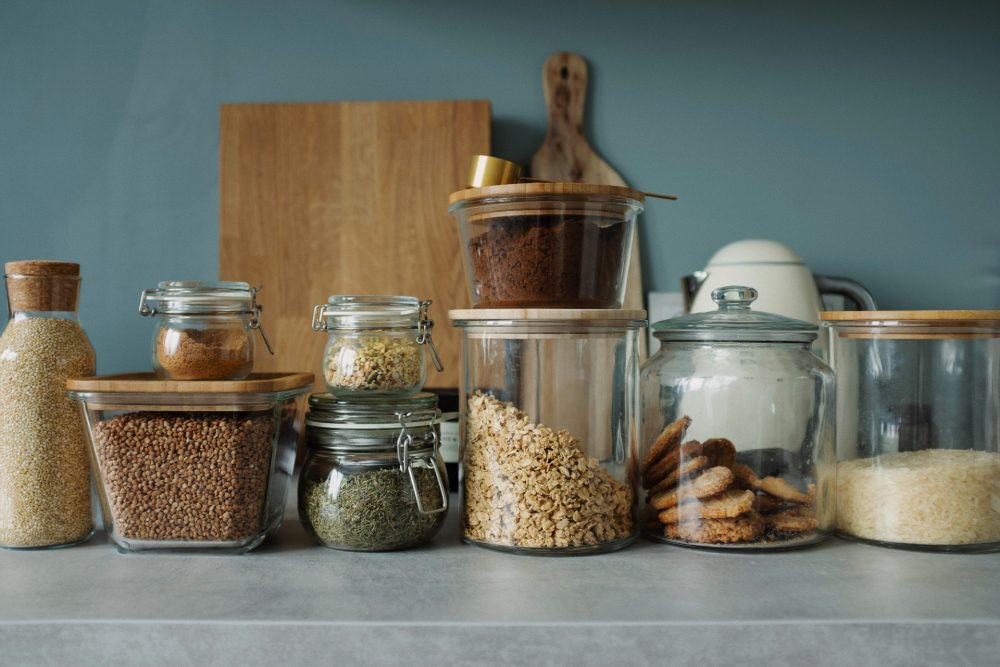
(700, 494)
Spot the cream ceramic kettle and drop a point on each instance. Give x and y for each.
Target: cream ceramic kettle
(784, 282)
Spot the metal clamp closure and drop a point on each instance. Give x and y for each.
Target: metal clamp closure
(255, 320)
(403, 443)
(144, 308)
(424, 327)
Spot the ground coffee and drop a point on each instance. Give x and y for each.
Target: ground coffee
(549, 261)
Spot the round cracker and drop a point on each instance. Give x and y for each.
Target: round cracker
(669, 438)
(726, 505)
(712, 481)
(792, 520)
(670, 460)
(745, 528)
(683, 471)
(720, 450)
(745, 475)
(776, 486)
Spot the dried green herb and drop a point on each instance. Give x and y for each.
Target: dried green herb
(372, 510)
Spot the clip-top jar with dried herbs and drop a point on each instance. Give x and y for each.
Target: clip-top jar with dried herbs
(44, 472)
(373, 478)
(375, 345)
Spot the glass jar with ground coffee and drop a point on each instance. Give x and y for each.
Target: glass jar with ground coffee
(373, 478)
(204, 330)
(546, 245)
(375, 345)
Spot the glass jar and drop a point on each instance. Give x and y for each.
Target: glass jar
(373, 478)
(548, 427)
(918, 432)
(546, 245)
(44, 472)
(204, 330)
(737, 430)
(375, 345)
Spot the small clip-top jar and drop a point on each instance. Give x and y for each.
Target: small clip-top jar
(737, 430)
(375, 345)
(204, 330)
(373, 478)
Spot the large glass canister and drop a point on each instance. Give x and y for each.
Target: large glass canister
(918, 432)
(548, 426)
(44, 474)
(204, 330)
(737, 430)
(373, 478)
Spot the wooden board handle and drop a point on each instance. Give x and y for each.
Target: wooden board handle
(564, 80)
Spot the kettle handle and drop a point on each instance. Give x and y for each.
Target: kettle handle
(851, 289)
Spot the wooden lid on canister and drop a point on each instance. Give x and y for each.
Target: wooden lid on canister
(42, 285)
(530, 190)
(914, 324)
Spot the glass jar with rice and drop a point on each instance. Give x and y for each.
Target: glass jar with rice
(918, 433)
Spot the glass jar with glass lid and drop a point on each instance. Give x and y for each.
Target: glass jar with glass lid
(373, 478)
(375, 345)
(737, 430)
(204, 330)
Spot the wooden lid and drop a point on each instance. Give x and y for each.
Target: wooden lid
(148, 383)
(41, 267)
(914, 324)
(909, 316)
(529, 190)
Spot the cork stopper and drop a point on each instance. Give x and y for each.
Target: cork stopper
(42, 285)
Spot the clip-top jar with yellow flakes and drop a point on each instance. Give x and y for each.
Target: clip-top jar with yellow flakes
(375, 345)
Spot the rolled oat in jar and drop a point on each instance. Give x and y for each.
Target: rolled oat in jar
(549, 419)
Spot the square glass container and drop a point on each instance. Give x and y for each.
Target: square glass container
(546, 245)
(191, 465)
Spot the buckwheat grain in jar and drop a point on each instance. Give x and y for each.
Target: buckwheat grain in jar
(375, 345)
(738, 448)
(204, 330)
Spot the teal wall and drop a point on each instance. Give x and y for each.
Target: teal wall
(865, 135)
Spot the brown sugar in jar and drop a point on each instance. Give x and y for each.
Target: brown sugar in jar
(204, 330)
(204, 354)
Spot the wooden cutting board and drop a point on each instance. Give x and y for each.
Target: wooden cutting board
(345, 198)
(566, 155)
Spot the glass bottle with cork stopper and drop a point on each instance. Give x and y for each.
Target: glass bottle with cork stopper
(44, 470)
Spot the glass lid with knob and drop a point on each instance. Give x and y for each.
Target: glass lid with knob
(735, 321)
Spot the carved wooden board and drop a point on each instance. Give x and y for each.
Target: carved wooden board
(345, 198)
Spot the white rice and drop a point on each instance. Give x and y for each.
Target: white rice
(933, 497)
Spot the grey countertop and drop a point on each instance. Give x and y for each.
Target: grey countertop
(448, 603)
